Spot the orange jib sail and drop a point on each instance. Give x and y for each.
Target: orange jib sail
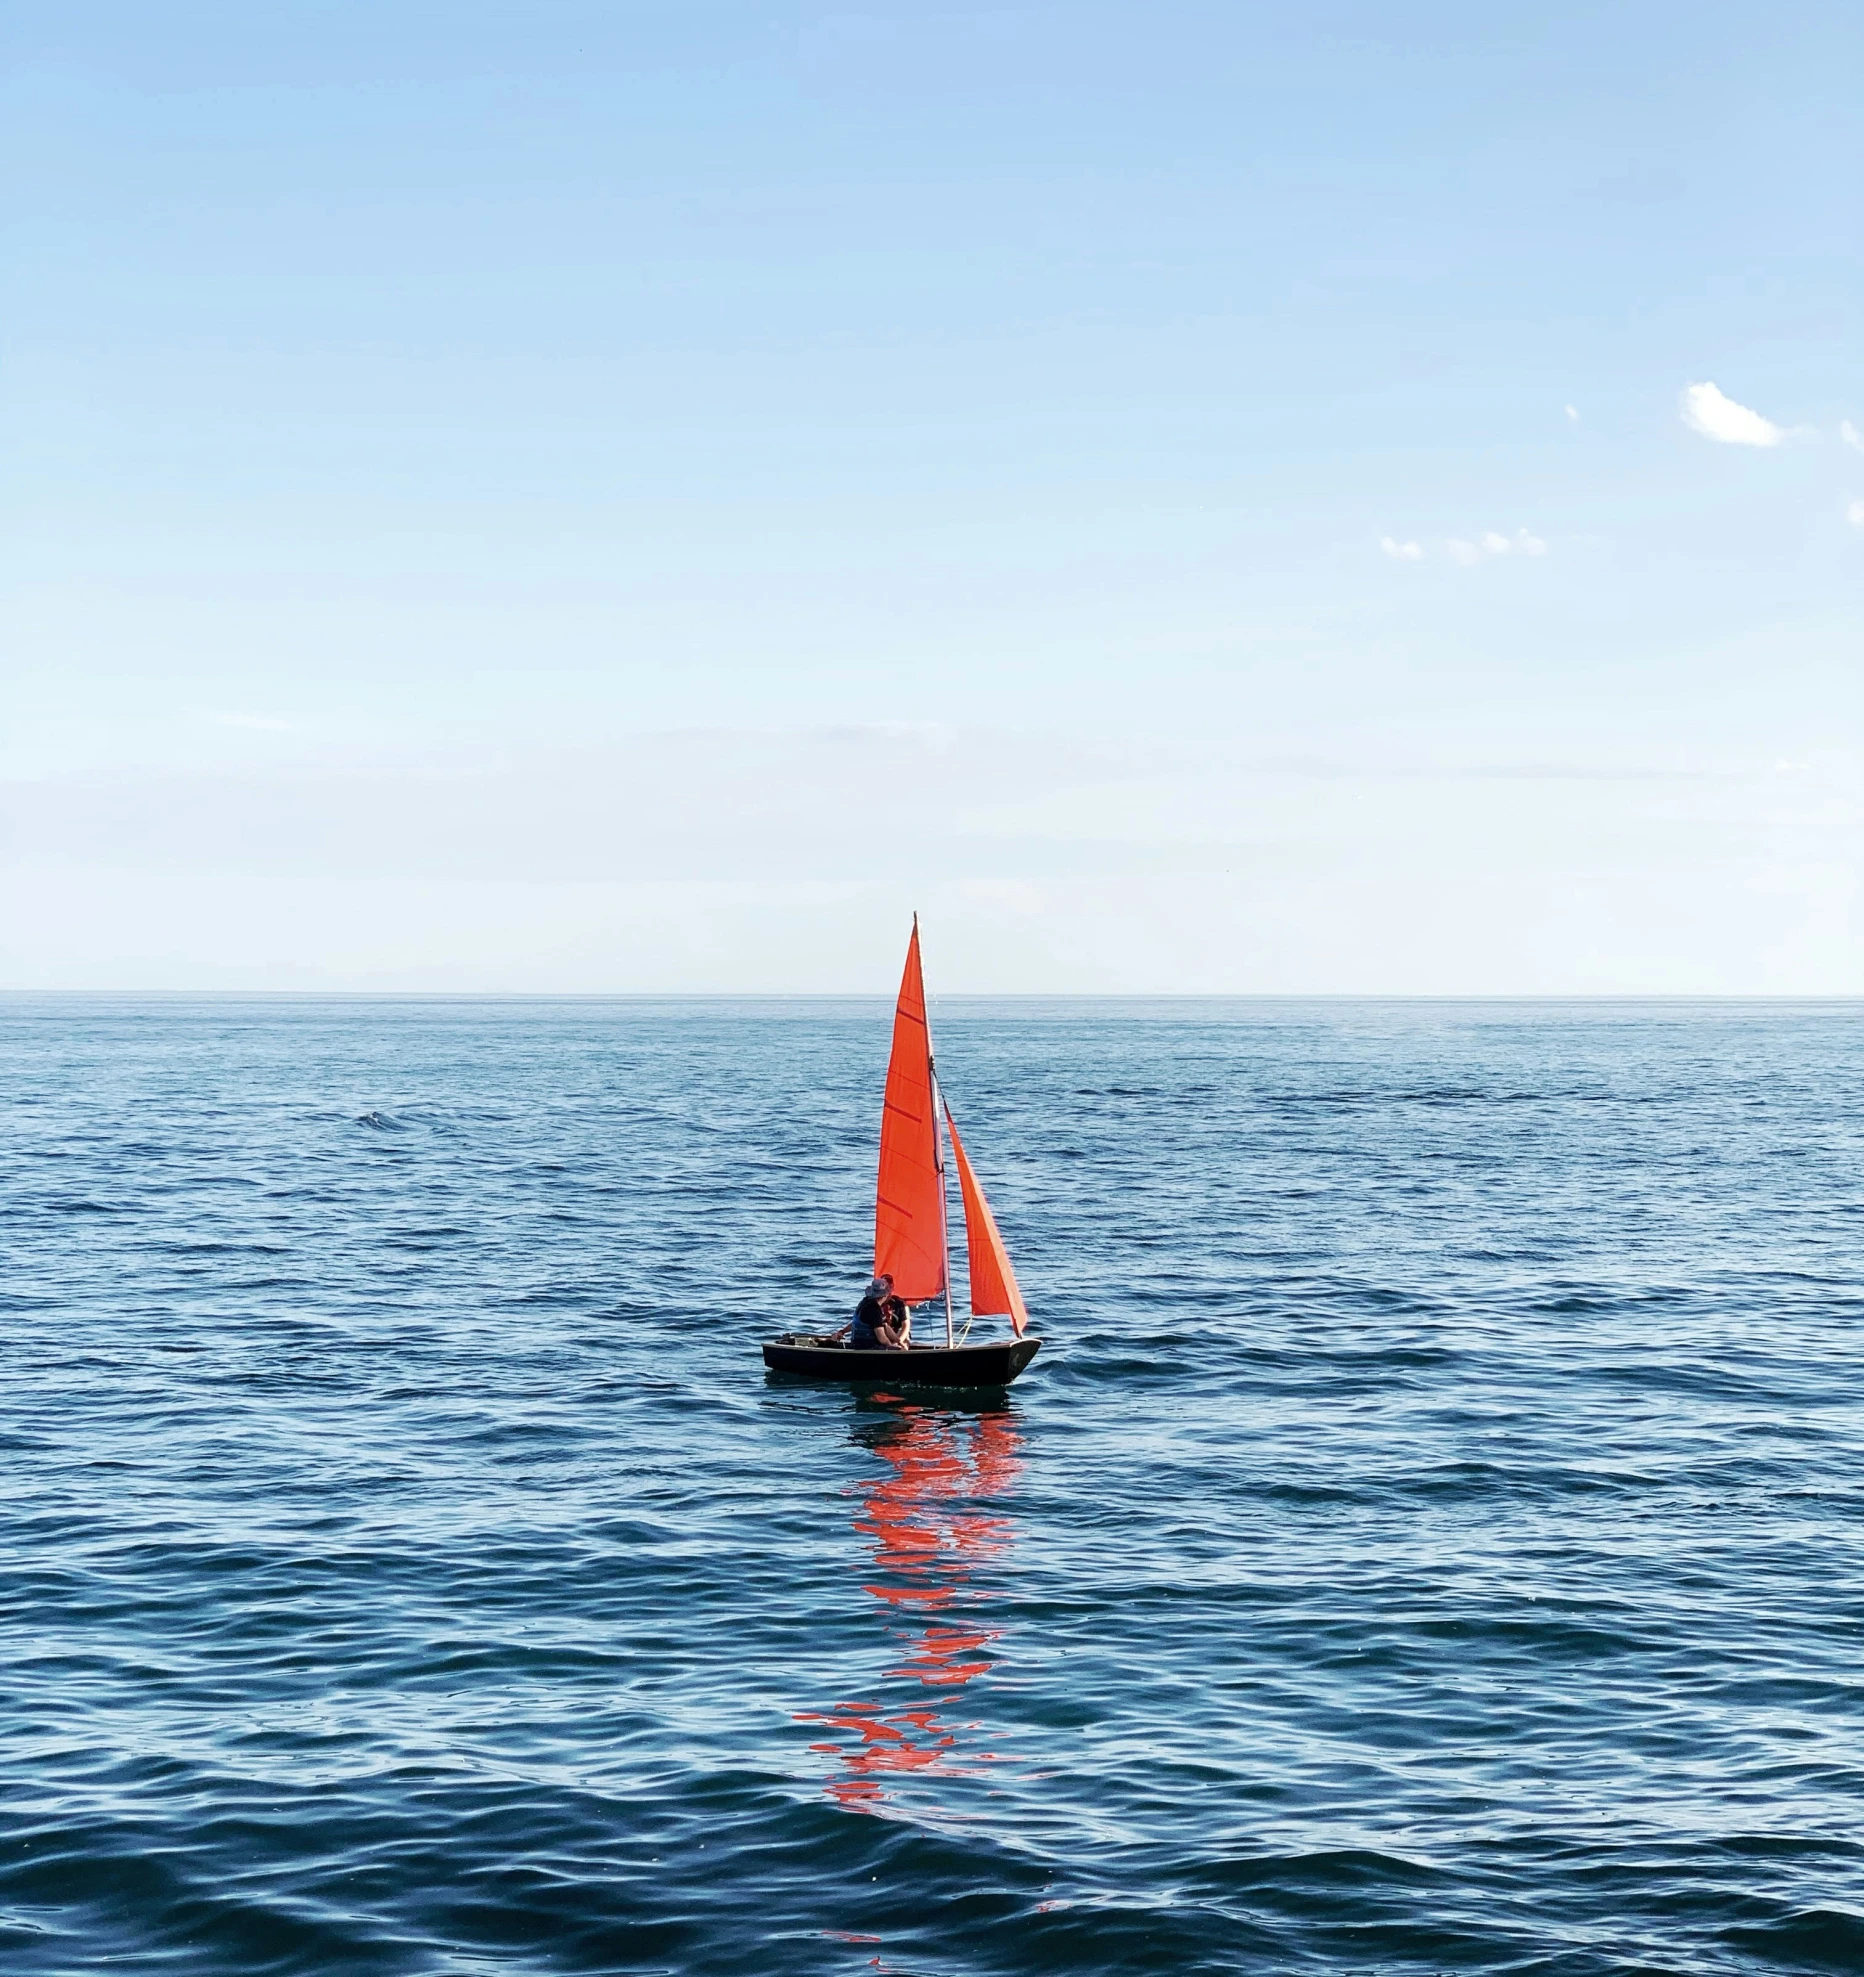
(909, 1205)
(993, 1282)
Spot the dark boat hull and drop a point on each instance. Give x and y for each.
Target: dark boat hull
(814, 1358)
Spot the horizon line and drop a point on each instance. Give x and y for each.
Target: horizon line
(885, 996)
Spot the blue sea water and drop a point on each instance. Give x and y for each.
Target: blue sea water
(1428, 1540)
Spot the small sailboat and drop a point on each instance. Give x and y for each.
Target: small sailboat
(912, 1240)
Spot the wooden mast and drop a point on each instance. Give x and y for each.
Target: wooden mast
(938, 1155)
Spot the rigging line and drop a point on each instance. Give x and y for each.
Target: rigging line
(971, 1317)
(944, 1214)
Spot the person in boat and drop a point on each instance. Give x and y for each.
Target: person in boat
(881, 1321)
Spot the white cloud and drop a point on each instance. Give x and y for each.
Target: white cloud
(1709, 411)
(1850, 434)
(1572, 413)
(1855, 514)
(1401, 552)
(1492, 542)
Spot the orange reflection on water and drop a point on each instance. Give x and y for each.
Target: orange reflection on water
(927, 1538)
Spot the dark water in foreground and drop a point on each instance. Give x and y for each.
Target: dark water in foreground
(1429, 1541)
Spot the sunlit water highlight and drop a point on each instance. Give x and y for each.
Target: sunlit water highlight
(1428, 1540)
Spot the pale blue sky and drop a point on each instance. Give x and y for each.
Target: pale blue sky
(1189, 497)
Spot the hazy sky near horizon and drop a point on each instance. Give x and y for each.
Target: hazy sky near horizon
(1188, 497)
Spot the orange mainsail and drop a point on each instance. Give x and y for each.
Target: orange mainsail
(909, 1203)
(993, 1282)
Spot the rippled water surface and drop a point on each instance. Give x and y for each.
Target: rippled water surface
(1428, 1539)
